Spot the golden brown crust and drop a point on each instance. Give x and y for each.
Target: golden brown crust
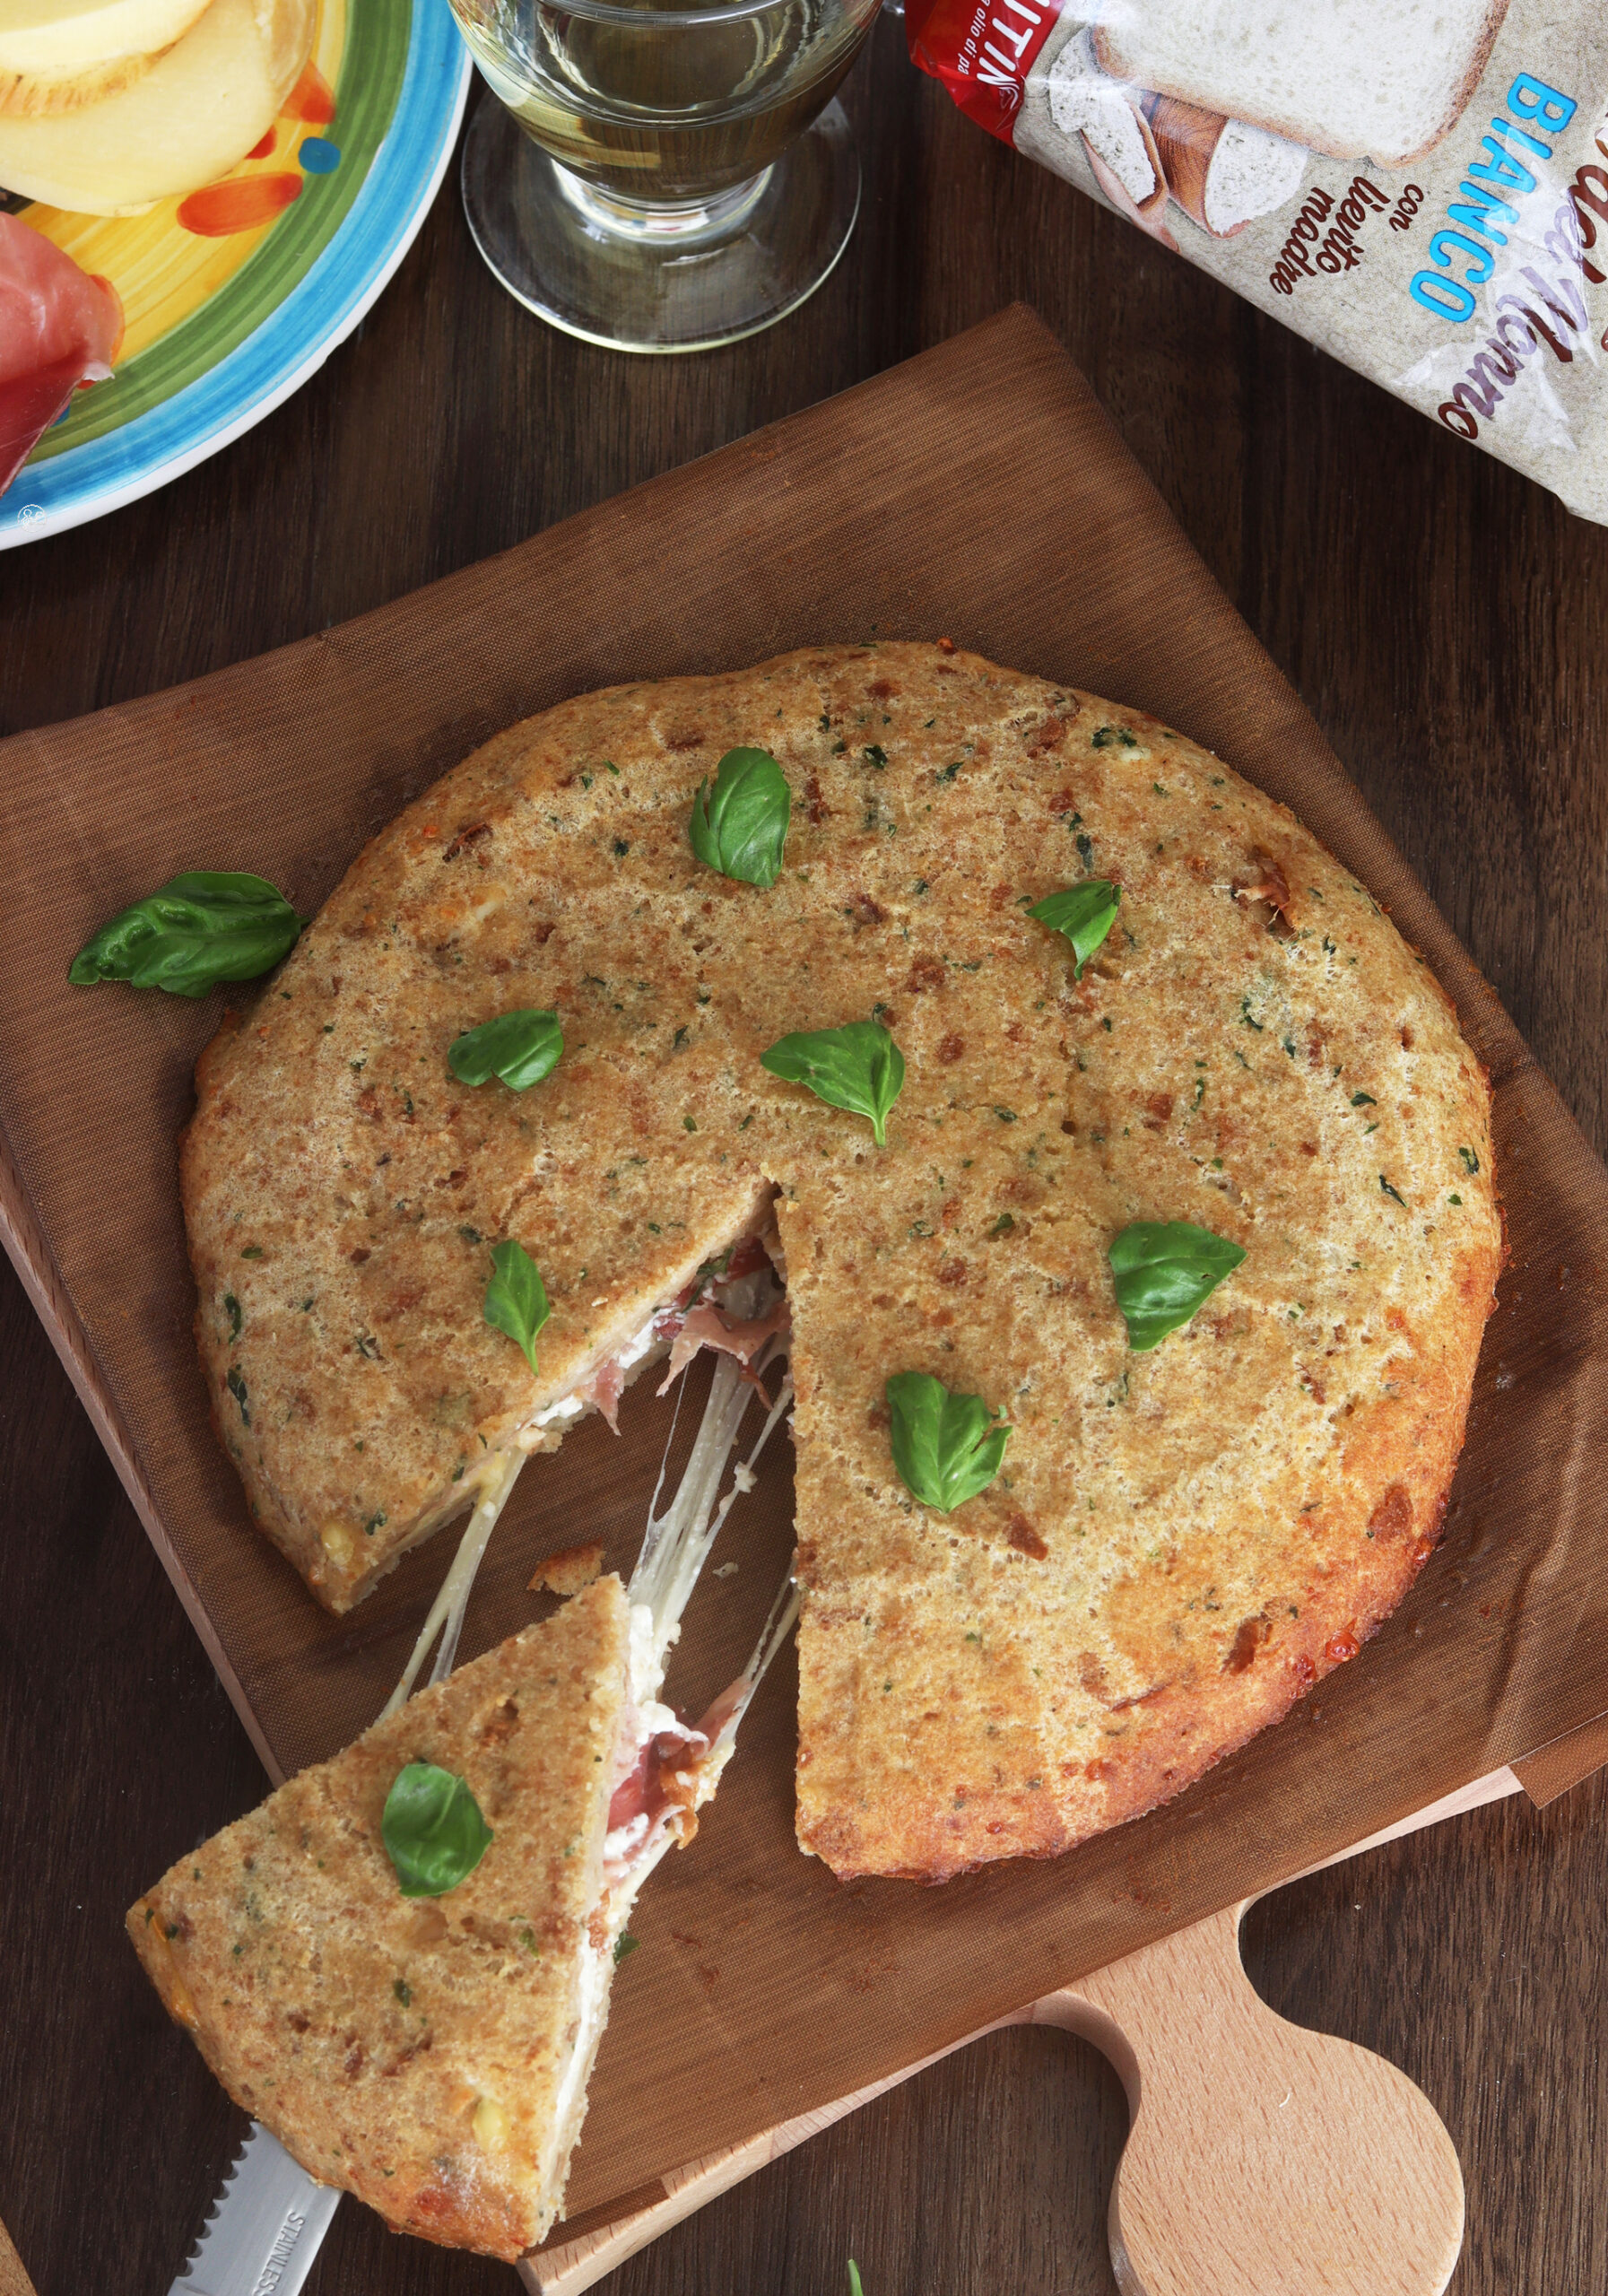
(410, 2050)
(1253, 1049)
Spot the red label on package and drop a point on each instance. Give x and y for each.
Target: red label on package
(982, 50)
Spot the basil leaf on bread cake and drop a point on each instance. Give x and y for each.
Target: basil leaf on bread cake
(1180, 1538)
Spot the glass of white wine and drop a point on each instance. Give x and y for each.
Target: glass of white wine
(661, 178)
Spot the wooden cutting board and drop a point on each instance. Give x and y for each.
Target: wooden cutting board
(13, 2280)
(977, 493)
(1261, 2156)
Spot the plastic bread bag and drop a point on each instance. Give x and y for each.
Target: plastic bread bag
(1421, 186)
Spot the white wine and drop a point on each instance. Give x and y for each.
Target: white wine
(662, 175)
(656, 106)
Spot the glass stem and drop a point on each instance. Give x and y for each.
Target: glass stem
(656, 221)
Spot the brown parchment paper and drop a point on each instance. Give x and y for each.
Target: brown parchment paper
(979, 494)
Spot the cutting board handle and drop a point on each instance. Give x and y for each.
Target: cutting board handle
(1263, 2160)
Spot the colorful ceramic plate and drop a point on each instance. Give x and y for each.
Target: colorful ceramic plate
(236, 294)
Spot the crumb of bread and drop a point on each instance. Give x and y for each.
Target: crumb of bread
(568, 1572)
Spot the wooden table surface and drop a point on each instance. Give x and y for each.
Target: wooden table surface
(1447, 624)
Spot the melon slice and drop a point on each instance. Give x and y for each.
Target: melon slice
(34, 95)
(190, 118)
(60, 55)
(54, 39)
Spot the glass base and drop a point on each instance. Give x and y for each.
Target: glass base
(636, 276)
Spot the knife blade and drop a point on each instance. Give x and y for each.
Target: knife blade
(266, 2226)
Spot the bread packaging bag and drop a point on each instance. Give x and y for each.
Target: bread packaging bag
(1421, 190)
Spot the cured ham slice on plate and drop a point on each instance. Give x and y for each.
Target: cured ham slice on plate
(59, 329)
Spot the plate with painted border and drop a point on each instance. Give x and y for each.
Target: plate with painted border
(235, 294)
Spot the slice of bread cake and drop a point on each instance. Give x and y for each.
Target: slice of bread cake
(430, 2054)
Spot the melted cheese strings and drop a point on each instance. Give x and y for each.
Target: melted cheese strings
(498, 1478)
(675, 1545)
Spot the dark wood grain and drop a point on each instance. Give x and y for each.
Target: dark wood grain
(1445, 620)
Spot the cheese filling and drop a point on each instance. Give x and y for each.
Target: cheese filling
(636, 1349)
(592, 2012)
(601, 1388)
(665, 1769)
(663, 1773)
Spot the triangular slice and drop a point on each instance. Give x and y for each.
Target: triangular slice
(430, 2054)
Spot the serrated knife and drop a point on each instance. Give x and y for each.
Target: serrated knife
(266, 2226)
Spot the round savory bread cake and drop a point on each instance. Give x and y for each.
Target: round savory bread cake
(1180, 1541)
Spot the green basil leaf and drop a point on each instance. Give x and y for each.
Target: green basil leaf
(201, 928)
(1164, 1270)
(515, 1298)
(858, 1067)
(1085, 913)
(740, 826)
(947, 1448)
(519, 1048)
(432, 1829)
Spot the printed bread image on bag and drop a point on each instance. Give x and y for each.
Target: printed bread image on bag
(1419, 188)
